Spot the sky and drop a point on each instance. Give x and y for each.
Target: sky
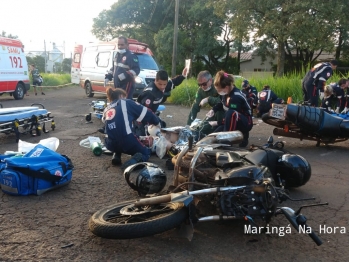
(63, 22)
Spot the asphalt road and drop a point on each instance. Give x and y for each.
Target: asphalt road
(53, 227)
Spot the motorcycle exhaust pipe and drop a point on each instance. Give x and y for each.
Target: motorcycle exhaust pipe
(215, 218)
(281, 132)
(153, 200)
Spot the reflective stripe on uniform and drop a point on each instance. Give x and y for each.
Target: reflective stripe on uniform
(124, 113)
(133, 72)
(144, 111)
(244, 97)
(157, 101)
(123, 65)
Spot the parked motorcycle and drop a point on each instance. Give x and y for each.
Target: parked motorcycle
(306, 122)
(212, 181)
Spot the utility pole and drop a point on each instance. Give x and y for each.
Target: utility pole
(45, 57)
(175, 36)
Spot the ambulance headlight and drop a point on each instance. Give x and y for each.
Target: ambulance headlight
(138, 80)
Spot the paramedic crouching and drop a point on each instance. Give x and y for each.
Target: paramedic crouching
(118, 118)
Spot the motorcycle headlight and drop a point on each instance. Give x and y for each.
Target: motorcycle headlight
(138, 80)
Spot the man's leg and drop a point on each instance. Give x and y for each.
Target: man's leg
(41, 89)
(313, 95)
(132, 146)
(305, 93)
(129, 88)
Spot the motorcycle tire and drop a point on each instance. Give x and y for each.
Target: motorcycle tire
(109, 223)
(277, 122)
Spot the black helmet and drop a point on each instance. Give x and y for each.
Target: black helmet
(151, 178)
(293, 169)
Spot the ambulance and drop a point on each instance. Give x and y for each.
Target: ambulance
(14, 75)
(90, 63)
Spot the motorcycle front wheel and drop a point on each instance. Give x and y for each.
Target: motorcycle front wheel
(110, 223)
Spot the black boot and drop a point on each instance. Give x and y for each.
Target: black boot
(102, 130)
(116, 160)
(136, 158)
(244, 142)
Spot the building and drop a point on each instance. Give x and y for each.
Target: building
(251, 63)
(55, 55)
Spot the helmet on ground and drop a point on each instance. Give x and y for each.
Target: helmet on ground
(150, 179)
(294, 170)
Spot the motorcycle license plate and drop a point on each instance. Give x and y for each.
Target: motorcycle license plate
(278, 111)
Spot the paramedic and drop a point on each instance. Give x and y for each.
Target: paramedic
(315, 81)
(118, 117)
(125, 68)
(238, 113)
(266, 98)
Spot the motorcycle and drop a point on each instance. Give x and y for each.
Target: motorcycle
(212, 181)
(306, 122)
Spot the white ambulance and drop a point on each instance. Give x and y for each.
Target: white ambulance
(14, 75)
(91, 63)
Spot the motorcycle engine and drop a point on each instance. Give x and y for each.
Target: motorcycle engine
(259, 200)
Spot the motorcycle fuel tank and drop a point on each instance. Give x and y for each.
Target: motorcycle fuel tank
(244, 175)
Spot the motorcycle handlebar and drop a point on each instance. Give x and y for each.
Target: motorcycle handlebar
(300, 220)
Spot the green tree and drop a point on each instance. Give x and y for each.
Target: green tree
(4, 34)
(293, 26)
(38, 61)
(199, 36)
(66, 65)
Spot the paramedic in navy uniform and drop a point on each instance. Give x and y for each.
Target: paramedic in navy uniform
(315, 81)
(118, 117)
(238, 113)
(157, 92)
(126, 68)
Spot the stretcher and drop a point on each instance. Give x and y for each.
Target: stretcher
(24, 120)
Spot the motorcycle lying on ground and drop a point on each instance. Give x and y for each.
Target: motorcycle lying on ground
(212, 181)
(307, 122)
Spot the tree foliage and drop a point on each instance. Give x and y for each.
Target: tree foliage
(38, 61)
(210, 30)
(66, 65)
(4, 34)
(152, 22)
(296, 28)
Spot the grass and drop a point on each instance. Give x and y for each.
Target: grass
(283, 87)
(54, 79)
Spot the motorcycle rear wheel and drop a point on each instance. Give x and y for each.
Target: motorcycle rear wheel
(277, 122)
(110, 223)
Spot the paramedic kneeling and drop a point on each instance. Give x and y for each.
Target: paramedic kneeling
(118, 118)
(238, 113)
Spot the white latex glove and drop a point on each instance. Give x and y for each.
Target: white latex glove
(204, 101)
(345, 110)
(322, 95)
(213, 123)
(210, 113)
(122, 76)
(337, 110)
(185, 72)
(332, 111)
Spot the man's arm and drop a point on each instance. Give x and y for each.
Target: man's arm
(146, 99)
(176, 81)
(134, 65)
(195, 109)
(323, 77)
